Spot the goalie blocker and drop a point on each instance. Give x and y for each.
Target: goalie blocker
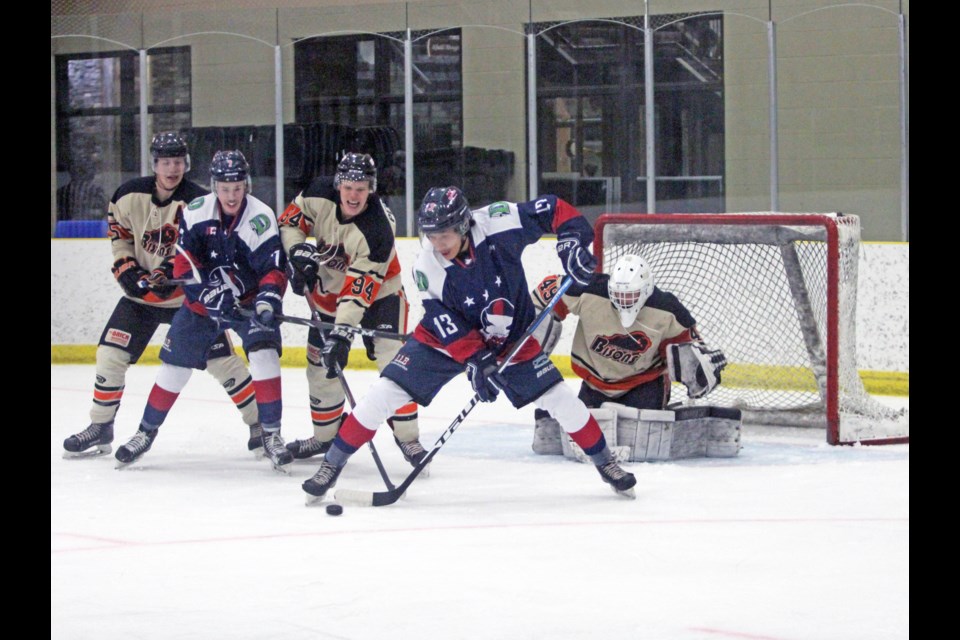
(646, 435)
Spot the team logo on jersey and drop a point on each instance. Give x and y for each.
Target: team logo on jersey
(498, 209)
(497, 318)
(160, 241)
(421, 278)
(260, 224)
(196, 203)
(622, 348)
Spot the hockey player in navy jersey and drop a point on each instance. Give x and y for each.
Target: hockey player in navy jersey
(230, 244)
(143, 220)
(476, 307)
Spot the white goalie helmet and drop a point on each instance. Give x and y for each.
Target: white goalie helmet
(630, 284)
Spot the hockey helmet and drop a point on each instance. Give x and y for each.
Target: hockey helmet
(170, 144)
(229, 166)
(444, 208)
(356, 167)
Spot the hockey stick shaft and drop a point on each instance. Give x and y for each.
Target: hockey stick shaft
(320, 324)
(383, 498)
(346, 391)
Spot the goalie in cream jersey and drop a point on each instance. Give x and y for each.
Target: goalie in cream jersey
(353, 275)
(632, 339)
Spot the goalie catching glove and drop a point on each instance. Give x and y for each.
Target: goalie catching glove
(696, 366)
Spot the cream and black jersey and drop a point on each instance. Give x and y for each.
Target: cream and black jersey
(608, 357)
(364, 267)
(144, 229)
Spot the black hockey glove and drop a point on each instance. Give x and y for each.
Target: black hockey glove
(158, 278)
(269, 304)
(483, 376)
(220, 304)
(132, 277)
(336, 351)
(577, 260)
(302, 267)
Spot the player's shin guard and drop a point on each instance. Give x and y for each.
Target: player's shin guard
(112, 365)
(235, 378)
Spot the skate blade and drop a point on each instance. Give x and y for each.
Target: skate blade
(281, 469)
(102, 450)
(313, 501)
(626, 493)
(426, 472)
(124, 465)
(258, 453)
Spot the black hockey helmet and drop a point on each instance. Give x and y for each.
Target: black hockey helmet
(444, 208)
(356, 167)
(170, 144)
(229, 166)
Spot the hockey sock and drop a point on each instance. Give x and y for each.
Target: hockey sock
(590, 438)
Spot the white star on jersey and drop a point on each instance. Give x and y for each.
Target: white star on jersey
(498, 281)
(486, 296)
(469, 301)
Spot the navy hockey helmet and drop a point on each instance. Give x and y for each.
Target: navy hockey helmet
(229, 166)
(170, 144)
(444, 208)
(356, 167)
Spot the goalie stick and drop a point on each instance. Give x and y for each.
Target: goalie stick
(346, 391)
(383, 498)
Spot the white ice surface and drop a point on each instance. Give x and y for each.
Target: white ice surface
(792, 540)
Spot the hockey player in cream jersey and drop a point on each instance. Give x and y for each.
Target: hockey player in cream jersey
(353, 275)
(144, 218)
(627, 333)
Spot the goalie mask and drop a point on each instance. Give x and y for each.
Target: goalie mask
(170, 144)
(630, 284)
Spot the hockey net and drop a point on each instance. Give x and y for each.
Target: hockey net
(777, 293)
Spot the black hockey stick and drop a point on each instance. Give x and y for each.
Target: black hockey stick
(346, 391)
(320, 324)
(383, 498)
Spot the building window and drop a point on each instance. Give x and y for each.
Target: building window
(591, 115)
(98, 119)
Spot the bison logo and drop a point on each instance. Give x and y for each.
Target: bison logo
(160, 241)
(622, 348)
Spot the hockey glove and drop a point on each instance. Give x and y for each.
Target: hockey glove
(483, 376)
(157, 280)
(577, 260)
(336, 351)
(220, 304)
(302, 267)
(132, 277)
(268, 305)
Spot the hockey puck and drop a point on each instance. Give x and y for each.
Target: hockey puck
(334, 509)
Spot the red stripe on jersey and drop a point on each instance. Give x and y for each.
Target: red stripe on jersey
(620, 385)
(460, 350)
(276, 278)
(355, 434)
(565, 211)
(181, 266)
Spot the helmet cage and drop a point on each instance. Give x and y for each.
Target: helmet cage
(630, 285)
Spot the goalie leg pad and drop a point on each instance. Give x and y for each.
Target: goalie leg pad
(696, 366)
(646, 433)
(607, 419)
(712, 432)
(546, 435)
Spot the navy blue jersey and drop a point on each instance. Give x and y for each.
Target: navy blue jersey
(480, 299)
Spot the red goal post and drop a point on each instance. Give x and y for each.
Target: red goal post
(777, 292)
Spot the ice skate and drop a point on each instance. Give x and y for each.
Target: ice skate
(276, 451)
(91, 442)
(546, 434)
(321, 482)
(414, 453)
(255, 443)
(302, 449)
(622, 482)
(136, 446)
